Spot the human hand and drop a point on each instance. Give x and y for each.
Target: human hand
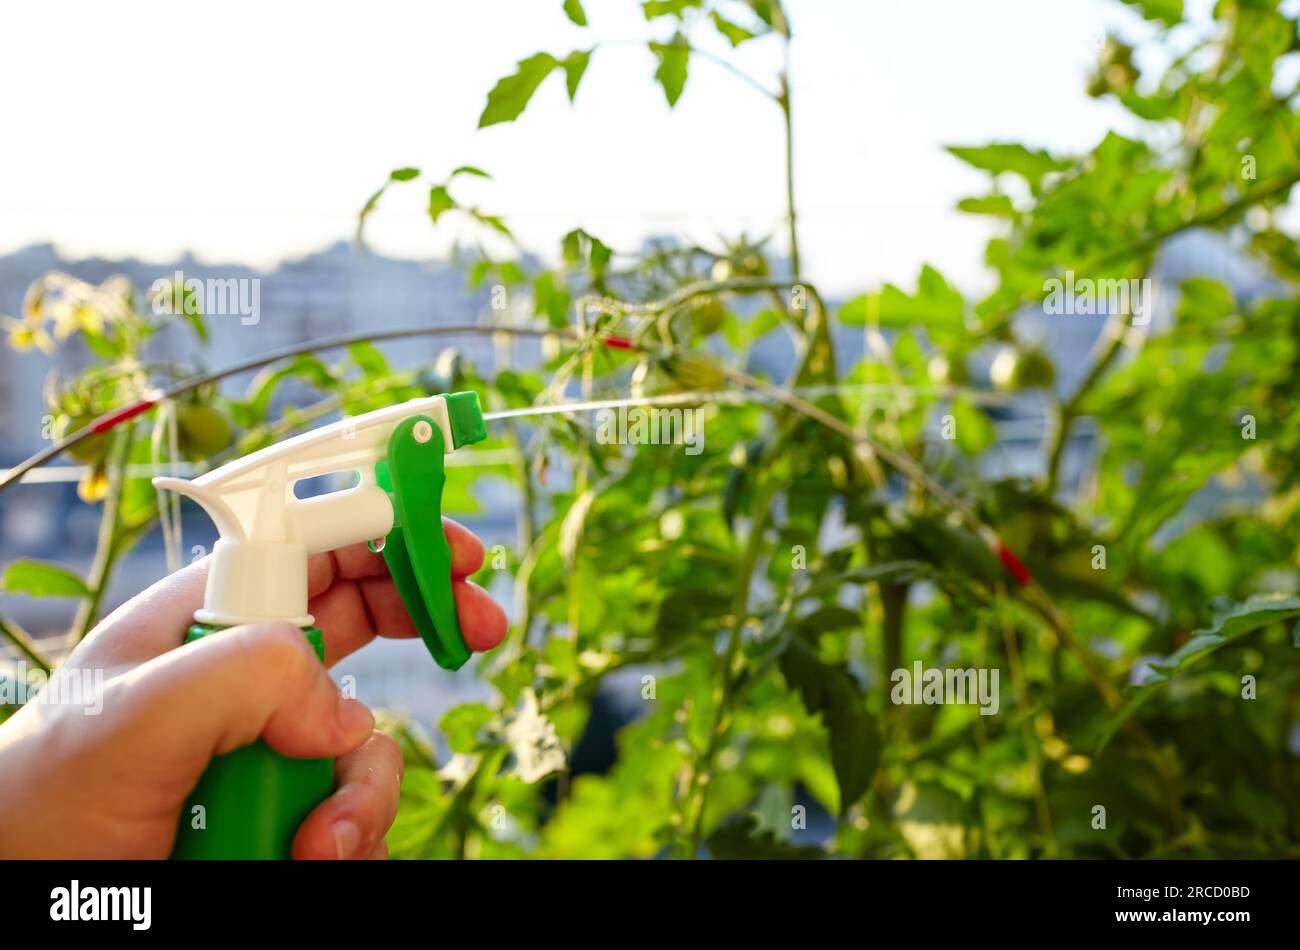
(112, 783)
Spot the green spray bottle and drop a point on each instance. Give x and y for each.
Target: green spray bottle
(250, 802)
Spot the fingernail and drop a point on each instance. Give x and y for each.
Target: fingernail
(347, 837)
(354, 718)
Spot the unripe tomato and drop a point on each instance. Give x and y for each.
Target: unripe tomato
(707, 314)
(695, 370)
(1014, 368)
(1002, 372)
(1035, 370)
(752, 264)
(742, 263)
(204, 431)
(92, 449)
(947, 371)
(1076, 564)
(1115, 71)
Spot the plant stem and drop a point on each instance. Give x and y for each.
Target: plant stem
(1032, 747)
(457, 815)
(893, 604)
(24, 642)
(525, 533)
(982, 741)
(106, 547)
(786, 111)
(734, 70)
(697, 789)
(1113, 331)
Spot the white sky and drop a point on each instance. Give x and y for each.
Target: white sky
(254, 131)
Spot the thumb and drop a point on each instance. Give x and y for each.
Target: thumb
(230, 688)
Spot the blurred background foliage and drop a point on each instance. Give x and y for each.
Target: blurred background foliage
(754, 599)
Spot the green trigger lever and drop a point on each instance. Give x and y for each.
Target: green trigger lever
(416, 549)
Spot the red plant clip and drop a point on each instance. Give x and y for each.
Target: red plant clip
(1013, 565)
(104, 423)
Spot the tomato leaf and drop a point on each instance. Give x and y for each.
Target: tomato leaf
(741, 839)
(1246, 617)
(734, 32)
(658, 8)
(509, 97)
(573, 10)
(833, 693)
(1168, 12)
(575, 64)
(42, 579)
(672, 67)
(974, 431)
(999, 157)
(372, 363)
(440, 200)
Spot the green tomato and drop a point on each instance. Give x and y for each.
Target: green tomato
(695, 370)
(91, 450)
(743, 263)
(1076, 564)
(707, 314)
(1115, 71)
(1002, 372)
(204, 431)
(1014, 368)
(947, 371)
(752, 264)
(1035, 370)
(1024, 531)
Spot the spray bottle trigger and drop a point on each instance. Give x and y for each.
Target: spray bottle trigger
(416, 549)
(447, 648)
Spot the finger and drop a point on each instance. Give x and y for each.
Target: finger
(483, 621)
(353, 614)
(357, 561)
(155, 620)
(380, 853)
(151, 623)
(352, 822)
(228, 689)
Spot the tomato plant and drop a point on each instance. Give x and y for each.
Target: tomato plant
(759, 600)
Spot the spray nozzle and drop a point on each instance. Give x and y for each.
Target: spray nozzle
(259, 569)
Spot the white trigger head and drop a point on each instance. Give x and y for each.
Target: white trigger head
(259, 570)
